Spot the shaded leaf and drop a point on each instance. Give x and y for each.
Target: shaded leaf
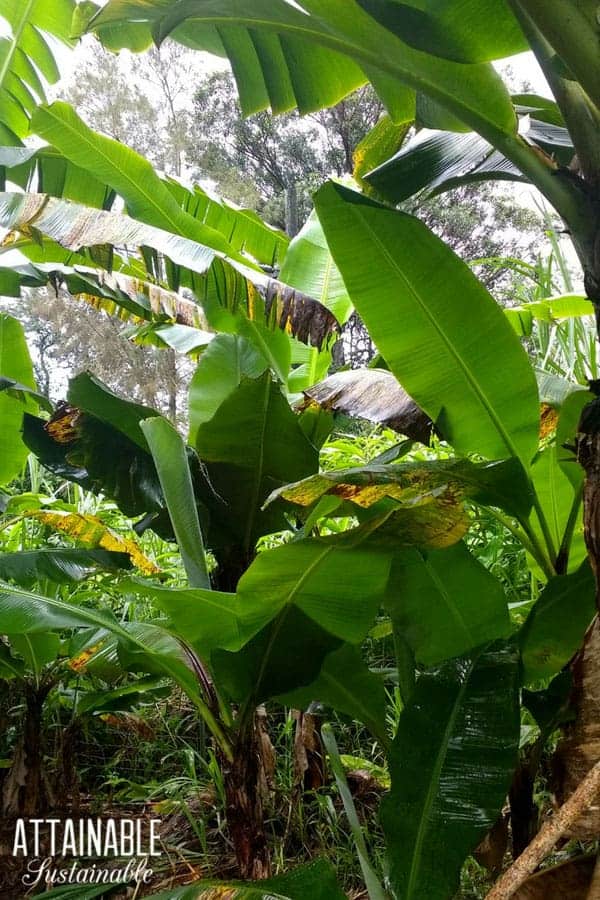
(451, 764)
(59, 565)
(16, 368)
(250, 446)
(346, 684)
(555, 627)
(500, 484)
(316, 879)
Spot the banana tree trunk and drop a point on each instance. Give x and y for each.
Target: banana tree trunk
(24, 790)
(579, 747)
(244, 782)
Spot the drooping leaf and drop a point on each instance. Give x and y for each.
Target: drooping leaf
(123, 698)
(433, 161)
(566, 431)
(555, 627)
(373, 394)
(451, 764)
(206, 619)
(452, 29)
(499, 484)
(154, 649)
(146, 197)
(15, 365)
(248, 291)
(346, 684)
(444, 603)
(470, 91)
(412, 300)
(171, 461)
(316, 879)
(92, 532)
(59, 564)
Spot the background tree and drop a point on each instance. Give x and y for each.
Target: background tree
(285, 158)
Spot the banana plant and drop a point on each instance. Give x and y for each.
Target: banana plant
(278, 619)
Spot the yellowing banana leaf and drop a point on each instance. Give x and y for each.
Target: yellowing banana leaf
(412, 484)
(92, 532)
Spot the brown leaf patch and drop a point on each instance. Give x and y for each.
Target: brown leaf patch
(375, 395)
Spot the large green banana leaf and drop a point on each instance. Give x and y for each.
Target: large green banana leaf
(50, 171)
(439, 330)
(451, 764)
(277, 71)
(444, 603)
(226, 361)
(15, 367)
(368, 34)
(27, 59)
(250, 446)
(434, 162)
(340, 25)
(453, 29)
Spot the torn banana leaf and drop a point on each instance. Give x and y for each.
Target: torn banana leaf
(223, 287)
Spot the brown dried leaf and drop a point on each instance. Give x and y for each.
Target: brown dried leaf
(80, 662)
(569, 879)
(376, 395)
